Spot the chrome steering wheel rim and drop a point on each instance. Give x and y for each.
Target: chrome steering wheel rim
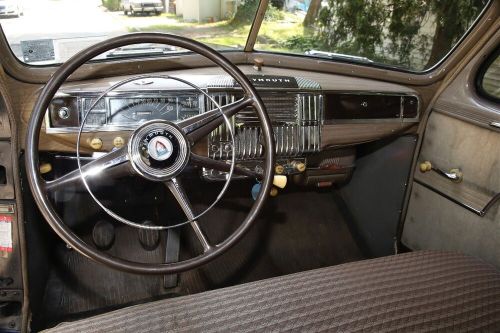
(38, 185)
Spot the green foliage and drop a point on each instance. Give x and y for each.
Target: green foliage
(274, 14)
(352, 26)
(409, 33)
(111, 5)
(246, 13)
(300, 43)
(405, 23)
(278, 4)
(453, 20)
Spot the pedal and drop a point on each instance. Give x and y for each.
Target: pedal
(149, 238)
(103, 235)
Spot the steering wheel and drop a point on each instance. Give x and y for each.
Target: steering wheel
(175, 137)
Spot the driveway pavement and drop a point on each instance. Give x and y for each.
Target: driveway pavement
(68, 26)
(58, 18)
(82, 21)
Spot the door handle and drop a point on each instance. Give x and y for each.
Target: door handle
(455, 174)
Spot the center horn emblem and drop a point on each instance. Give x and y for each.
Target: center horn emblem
(160, 148)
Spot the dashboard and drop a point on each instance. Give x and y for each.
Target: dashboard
(302, 112)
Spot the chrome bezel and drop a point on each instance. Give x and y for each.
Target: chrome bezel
(147, 171)
(110, 127)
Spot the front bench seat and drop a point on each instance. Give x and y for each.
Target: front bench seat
(418, 291)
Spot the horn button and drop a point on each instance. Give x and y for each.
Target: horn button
(160, 146)
(158, 150)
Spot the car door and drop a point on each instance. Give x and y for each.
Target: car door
(462, 141)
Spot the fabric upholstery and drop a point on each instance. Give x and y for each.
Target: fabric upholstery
(412, 292)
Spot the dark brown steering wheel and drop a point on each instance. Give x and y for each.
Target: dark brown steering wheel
(184, 133)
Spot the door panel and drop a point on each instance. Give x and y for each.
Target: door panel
(460, 134)
(442, 222)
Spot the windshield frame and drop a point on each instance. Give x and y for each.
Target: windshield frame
(242, 55)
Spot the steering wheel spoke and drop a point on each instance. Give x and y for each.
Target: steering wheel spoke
(201, 125)
(180, 195)
(114, 163)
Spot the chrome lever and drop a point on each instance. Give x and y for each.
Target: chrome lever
(455, 175)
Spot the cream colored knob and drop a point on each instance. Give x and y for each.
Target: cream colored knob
(118, 142)
(45, 168)
(96, 143)
(425, 166)
(274, 192)
(279, 169)
(301, 167)
(280, 181)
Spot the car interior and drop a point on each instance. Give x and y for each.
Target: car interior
(250, 166)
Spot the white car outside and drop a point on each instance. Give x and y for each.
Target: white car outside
(134, 7)
(11, 8)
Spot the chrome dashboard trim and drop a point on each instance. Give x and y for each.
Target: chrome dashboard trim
(113, 128)
(213, 84)
(297, 130)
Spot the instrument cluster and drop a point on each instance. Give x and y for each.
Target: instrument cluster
(66, 113)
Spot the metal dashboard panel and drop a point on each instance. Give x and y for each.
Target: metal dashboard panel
(333, 132)
(296, 113)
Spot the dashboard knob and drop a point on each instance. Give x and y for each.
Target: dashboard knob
(63, 113)
(96, 143)
(258, 63)
(274, 192)
(45, 168)
(280, 181)
(279, 169)
(299, 166)
(118, 142)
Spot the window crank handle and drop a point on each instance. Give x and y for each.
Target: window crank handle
(455, 175)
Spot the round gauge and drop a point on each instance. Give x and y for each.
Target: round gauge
(139, 110)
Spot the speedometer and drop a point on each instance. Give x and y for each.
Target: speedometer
(188, 106)
(139, 110)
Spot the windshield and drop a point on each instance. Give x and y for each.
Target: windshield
(51, 31)
(411, 35)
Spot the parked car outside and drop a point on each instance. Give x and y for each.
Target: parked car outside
(133, 7)
(11, 8)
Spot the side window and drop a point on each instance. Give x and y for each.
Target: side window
(489, 77)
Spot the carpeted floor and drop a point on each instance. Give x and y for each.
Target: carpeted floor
(297, 231)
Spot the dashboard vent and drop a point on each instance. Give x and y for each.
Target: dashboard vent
(296, 120)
